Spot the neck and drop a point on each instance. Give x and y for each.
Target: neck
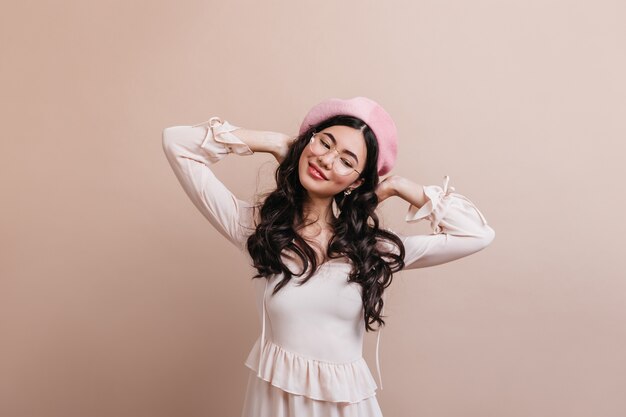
(319, 210)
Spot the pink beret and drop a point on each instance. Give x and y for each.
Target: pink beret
(371, 113)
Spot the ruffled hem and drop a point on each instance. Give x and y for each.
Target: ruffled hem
(349, 382)
(262, 399)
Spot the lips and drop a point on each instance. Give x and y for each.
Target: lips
(317, 170)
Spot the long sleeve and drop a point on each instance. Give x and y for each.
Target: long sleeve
(458, 227)
(191, 150)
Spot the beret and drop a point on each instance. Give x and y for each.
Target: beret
(371, 113)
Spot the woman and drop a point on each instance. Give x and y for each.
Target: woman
(323, 262)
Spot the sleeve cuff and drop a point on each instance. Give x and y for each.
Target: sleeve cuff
(219, 140)
(437, 202)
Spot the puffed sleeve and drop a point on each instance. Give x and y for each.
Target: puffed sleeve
(458, 228)
(190, 151)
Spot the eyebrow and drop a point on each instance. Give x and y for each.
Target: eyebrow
(345, 150)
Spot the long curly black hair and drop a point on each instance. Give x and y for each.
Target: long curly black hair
(356, 227)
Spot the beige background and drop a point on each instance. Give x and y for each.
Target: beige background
(118, 299)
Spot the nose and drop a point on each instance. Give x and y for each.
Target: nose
(327, 159)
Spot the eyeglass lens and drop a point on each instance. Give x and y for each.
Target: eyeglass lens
(321, 145)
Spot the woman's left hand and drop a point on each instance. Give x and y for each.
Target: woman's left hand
(385, 188)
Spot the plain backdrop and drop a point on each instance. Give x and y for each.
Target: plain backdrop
(118, 299)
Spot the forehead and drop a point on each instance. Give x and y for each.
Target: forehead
(347, 139)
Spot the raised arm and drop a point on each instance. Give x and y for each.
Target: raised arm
(458, 227)
(191, 150)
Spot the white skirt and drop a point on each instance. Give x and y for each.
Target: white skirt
(265, 400)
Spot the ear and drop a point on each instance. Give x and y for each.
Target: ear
(357, 183)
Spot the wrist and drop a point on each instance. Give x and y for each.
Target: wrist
(279, 143)
(394, 185)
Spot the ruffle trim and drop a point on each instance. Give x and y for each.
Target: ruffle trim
(219, 141)
(349, 382)
(438, 202)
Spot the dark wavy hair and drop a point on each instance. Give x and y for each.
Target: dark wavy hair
(356, 227)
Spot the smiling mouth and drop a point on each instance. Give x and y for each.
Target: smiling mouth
(318, 172)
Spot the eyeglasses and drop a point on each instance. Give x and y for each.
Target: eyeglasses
(321, 146)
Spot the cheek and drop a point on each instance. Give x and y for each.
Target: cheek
(304, 158)
(342, 182)
(302, 164)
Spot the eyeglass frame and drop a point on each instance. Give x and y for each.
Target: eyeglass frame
(333, 148)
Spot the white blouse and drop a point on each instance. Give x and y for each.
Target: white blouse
(312, 335)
